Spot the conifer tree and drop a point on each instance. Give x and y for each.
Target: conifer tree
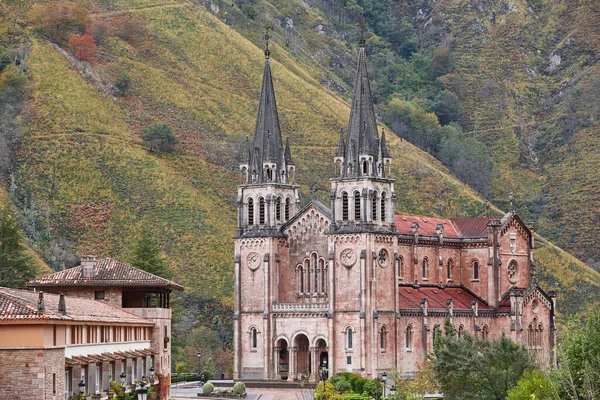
(147, 256)
(16, 266)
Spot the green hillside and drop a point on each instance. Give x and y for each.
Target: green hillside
(85, 183)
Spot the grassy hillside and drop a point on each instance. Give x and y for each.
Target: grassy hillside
(86, 183)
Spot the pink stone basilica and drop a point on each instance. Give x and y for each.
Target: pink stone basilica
(354, 286)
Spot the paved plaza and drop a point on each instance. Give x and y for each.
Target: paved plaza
(191, 390)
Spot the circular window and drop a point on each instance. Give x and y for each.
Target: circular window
(383, 258)
(534, 305)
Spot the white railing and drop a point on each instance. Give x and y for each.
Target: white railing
(300, 307)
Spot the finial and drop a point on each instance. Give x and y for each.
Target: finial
(267, 37)
(314, 189)
(511, 200)
(486, 208)
(362, 30)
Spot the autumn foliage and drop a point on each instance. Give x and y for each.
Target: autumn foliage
(84, 47)
(59, 21)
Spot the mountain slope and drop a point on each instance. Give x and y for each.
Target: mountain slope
(87, 184)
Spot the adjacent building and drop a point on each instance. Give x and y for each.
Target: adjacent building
(98, 322)
(351, 284)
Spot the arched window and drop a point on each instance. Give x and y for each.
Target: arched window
(383, 217)
(530, 335)
(307, 269)
(356, 206)
(383, 337)
(485, 332)
(374, 206)
(269, 174)
(315, 269)
(365, 168)
(278, 209)
(261, 211)
(350, 335)
(250, 212)
(540, 329)
(344, 206)
(399, 266)
(461, 331)
(323, 280)
(300, 274)
(254, 335)
(425, 267)
(287, 209)
(409, 337)
(476, 270)
(449, 269)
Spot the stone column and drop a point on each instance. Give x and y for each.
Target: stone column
(292, 367)
(314, 370)
(276, 374)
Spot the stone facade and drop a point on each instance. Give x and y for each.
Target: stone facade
(354, 287)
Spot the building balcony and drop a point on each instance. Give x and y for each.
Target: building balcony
(301, 307)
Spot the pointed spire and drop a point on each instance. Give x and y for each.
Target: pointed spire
(341, 150)
(362, 30)
(362, 127)
(385, 153)
(244, 155)
(288, 153)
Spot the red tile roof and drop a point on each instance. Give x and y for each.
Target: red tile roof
(410, 297)
(467, 228)
(18, 304)
(110, 273)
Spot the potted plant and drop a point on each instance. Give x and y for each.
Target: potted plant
(152, 394)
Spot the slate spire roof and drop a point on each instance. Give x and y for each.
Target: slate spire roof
(267, 144)
(362, 137)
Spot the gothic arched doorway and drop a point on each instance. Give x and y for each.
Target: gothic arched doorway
(302, 356)
(282, 360)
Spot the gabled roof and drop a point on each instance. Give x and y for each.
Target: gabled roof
(410, 296)
(473, 227)
(313, 203)
(109, 272)
(20, 305)
(427, 225)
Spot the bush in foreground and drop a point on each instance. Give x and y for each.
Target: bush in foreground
(208, 388)
(239, 388)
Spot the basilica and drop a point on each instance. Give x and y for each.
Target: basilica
(352, 286)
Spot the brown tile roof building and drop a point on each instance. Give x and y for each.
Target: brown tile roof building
(108, 272)
(24, 305)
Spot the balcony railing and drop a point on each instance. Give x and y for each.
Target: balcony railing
(300, 307)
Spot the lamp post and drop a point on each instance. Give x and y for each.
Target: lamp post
(392, 390)
(81, 387)
(384, 381)
(123, 377)
(199, 355)
(142, 392)
(151, 370)
(324, 370)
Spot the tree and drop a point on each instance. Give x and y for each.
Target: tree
(447, 107)
(472, 368)
(16, 266)
(159, 138)
(58, 20)
(534, 385)
(123, 84)
(84, 47)
(147, 256)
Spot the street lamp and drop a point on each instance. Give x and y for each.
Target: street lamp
(199, 366)
(384, 381)
(123, 377)
(324, 370)
(151, 370)
(81, 386)
(142, 392)
(392, 390)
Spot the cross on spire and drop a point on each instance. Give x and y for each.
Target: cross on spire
(314, 188)
(267, 37)
(362, 30)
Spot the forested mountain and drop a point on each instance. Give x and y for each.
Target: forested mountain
(503, 93)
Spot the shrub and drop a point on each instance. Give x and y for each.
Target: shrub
(159, 138)
(250, 11)
(130, 28)
(58, 21)
(208, 388)
(373, 389)
(123, 84)
(239, 388)
(84, 47)
(343, 386)
(533, 385)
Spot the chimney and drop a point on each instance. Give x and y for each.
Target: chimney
(62, 305)
(41, 307)
(88, 266)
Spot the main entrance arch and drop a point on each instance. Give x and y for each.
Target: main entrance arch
(301, 345)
